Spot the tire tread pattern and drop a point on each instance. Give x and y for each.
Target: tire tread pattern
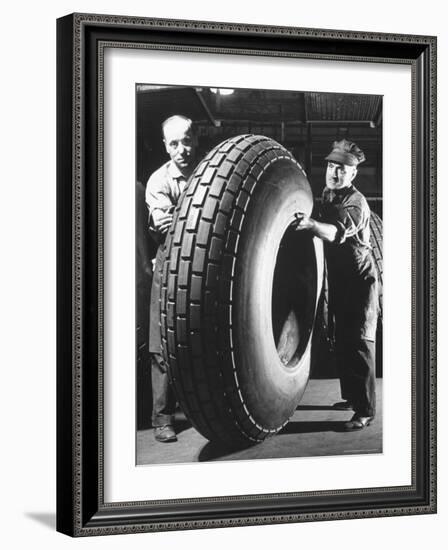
(196, 292)
(376, 241)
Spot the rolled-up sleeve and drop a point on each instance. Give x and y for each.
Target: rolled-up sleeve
(349, 213)
(157, 196)
(157, 193)
(349, 219)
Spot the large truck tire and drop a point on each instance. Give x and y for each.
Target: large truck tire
(376, 240)
(240, 290)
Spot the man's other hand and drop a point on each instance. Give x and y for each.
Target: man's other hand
(162, 220)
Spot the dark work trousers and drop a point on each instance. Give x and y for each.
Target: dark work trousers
(353, 301)
(356, 364)
(164, 401)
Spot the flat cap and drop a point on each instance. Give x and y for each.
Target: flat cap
(346, 152)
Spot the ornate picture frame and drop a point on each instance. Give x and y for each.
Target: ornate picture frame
(81, 506)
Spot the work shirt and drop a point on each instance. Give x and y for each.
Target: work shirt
(352, 277)
(163, 190)
(348, 209)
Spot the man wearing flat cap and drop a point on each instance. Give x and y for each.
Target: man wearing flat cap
(344, 226)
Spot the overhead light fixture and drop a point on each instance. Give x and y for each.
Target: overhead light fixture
(222, 91)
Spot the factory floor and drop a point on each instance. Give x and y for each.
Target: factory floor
(314, 430)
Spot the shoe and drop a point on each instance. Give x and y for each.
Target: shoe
(358, 422)
(165, 434)
(343, 406)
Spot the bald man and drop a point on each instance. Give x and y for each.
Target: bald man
(163, 190)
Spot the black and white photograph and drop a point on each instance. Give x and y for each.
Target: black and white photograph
(259, 274)
(246, 275)
(214, 215)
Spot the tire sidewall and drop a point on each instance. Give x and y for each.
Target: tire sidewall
(271, 389)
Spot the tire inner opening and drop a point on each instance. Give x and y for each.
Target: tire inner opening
(294, 296)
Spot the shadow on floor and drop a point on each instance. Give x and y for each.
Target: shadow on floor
(313, 427)
(48, 519)
(181, 425)
(213, 450)
(315, 408)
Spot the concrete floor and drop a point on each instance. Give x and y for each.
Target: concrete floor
(314, 430)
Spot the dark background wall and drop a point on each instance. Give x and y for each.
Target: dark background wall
(304, 122)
